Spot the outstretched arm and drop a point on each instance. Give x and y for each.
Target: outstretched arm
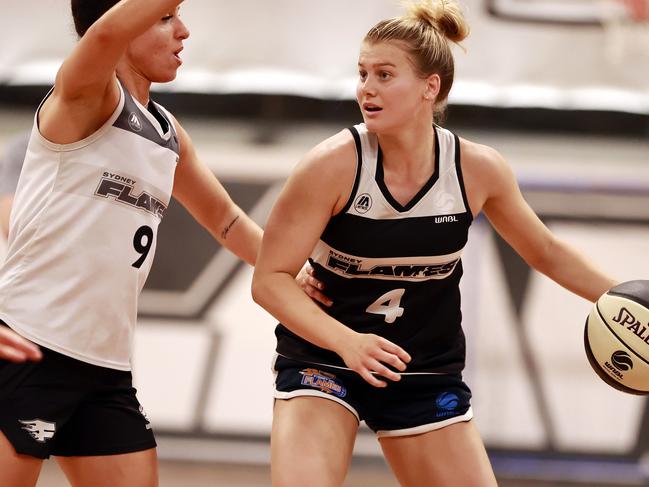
(201, 193)
(517, 223)
(315, 191)
(198, 190)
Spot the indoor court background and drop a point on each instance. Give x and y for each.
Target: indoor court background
(559, 87)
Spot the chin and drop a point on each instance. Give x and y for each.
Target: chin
(374, 125)
(166, 78)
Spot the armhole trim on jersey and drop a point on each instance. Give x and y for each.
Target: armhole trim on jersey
(88, 140)
(357, 177)
(460, 177)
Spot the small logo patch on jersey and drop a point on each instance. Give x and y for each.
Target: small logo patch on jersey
(363, 203)
(134, 122)
(38, 429)
(323, 381)
(446, 403)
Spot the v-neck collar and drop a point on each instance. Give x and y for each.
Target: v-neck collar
(154, 121)
(380, 181)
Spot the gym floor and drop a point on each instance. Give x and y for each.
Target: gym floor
(194, 474)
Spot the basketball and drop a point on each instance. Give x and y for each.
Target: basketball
(616, 337)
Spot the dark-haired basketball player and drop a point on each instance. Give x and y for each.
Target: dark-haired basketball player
(102, 164)
(383, 211)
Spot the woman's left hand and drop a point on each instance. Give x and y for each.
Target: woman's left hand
(311, 286)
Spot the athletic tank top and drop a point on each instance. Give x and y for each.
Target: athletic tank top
(394, 270)
(83, 234)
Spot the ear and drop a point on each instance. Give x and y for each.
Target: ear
(433, 85)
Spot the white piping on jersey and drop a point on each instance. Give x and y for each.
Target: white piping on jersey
(88, 140)
(412, 269)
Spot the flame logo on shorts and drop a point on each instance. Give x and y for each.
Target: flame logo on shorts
(622, 360)
(324, 381)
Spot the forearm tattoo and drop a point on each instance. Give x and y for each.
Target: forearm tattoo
(224, 233)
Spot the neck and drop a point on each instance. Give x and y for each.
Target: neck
(136, 84)
(410, 151)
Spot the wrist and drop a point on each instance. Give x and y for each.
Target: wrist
(341, 337)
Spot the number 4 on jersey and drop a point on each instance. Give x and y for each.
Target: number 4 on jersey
(388, 305)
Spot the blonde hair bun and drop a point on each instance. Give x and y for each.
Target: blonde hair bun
(443, 15)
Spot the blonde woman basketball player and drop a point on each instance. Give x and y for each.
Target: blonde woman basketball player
(102, 164)
(383, 210)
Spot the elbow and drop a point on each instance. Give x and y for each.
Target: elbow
(258, 289)
(542, 260)
(102, 33)
(106, 33)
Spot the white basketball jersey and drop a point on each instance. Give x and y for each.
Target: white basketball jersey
(83, 234)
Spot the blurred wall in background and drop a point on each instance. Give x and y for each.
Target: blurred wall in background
(548, 53)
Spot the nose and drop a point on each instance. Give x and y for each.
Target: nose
(367, 86)
(182, 32)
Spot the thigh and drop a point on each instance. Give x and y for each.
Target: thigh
(17, 470)
(312, 438)
(452, 456)
(139, 469)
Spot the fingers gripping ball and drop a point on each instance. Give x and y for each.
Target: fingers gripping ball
(616, 337)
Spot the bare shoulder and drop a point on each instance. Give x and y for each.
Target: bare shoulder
(486, 173)
(481, 159)
(333, 156)
(177, 126)
(185, 144)
(327, 172)
(485, 164)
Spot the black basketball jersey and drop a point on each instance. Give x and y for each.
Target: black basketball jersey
(395, 270)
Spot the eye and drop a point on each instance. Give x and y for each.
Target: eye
(385, 75)
(362, 74)
(167, 17)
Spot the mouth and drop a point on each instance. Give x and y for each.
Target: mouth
(177, 55)
(371, 108)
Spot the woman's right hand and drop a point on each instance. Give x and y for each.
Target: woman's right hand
(368, 354)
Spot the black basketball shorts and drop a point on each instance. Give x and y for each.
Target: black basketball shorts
(416, 404)
(62, 406)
